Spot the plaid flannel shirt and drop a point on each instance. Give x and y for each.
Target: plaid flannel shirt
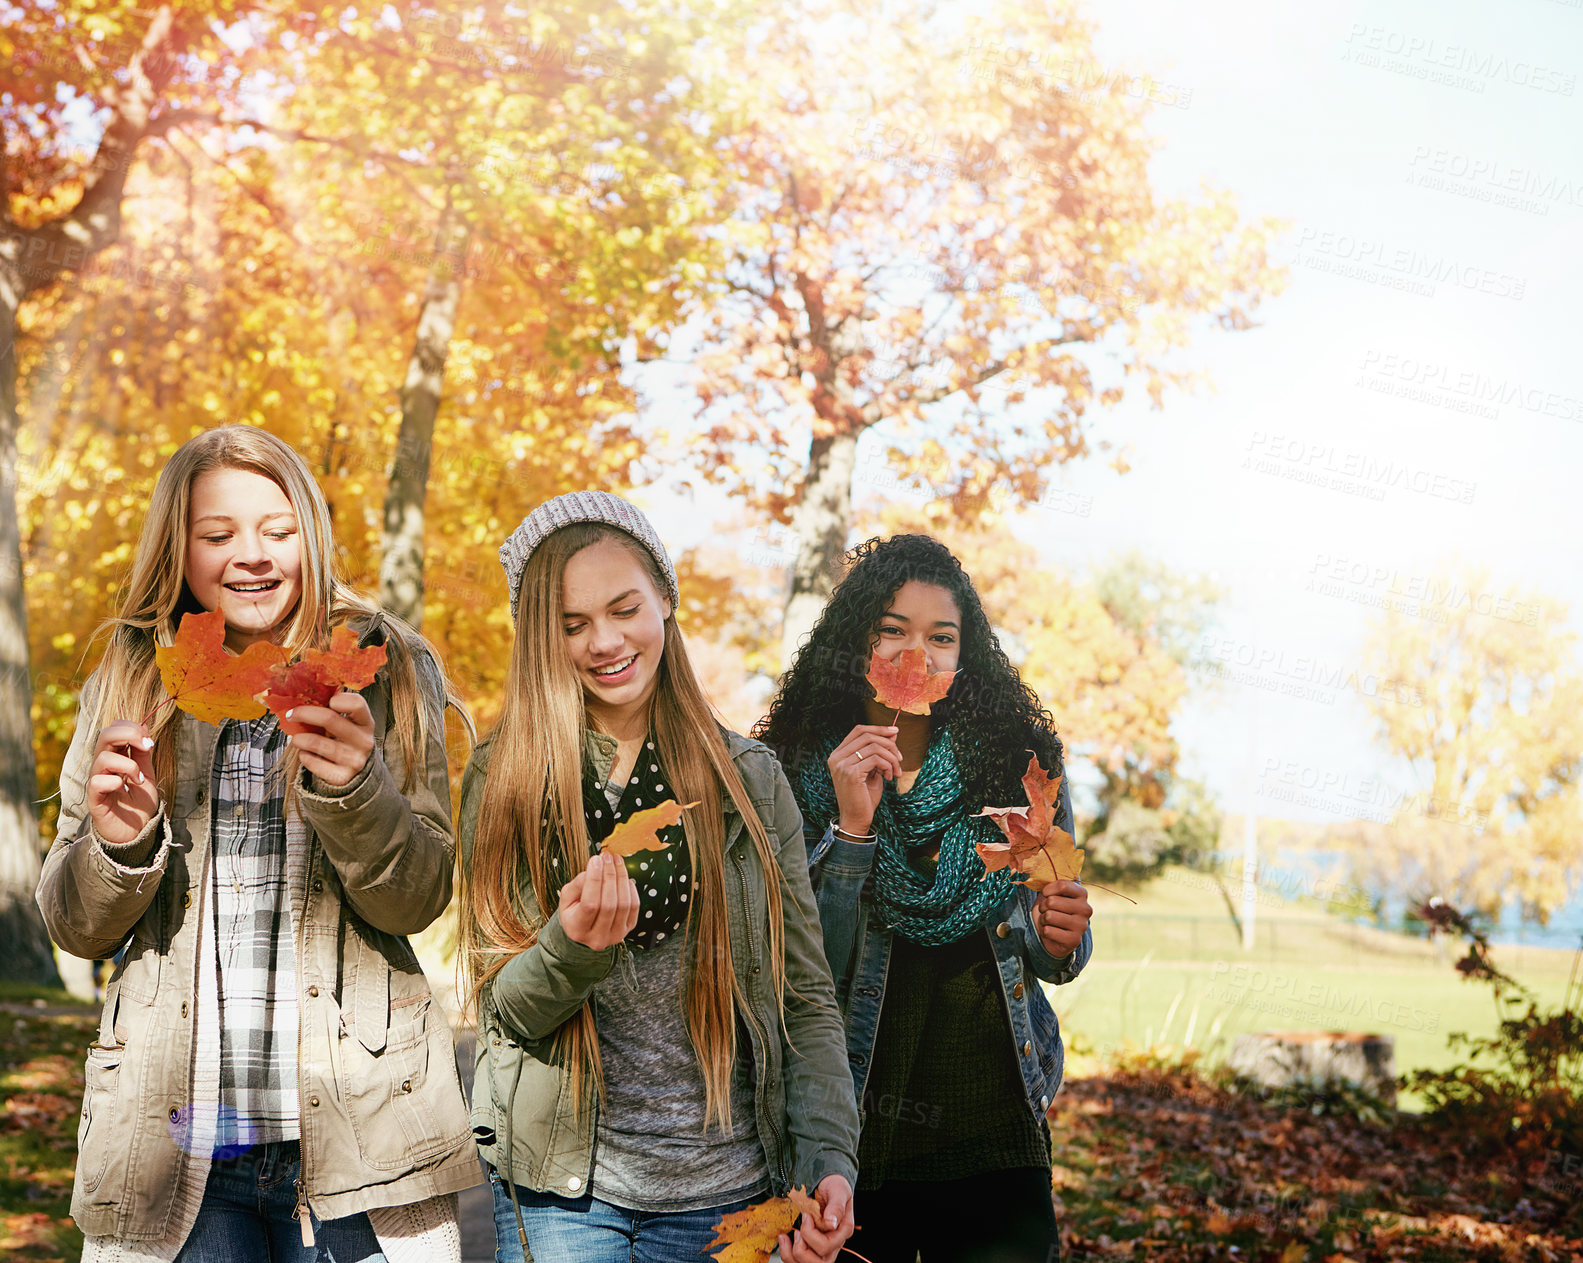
(255, 953)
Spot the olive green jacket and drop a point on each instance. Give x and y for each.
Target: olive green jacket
(523, 1111)
(383, 1117)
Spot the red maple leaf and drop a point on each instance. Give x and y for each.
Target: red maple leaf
(319, 675)
(905, 683)
(1036, 846)
(206, 681)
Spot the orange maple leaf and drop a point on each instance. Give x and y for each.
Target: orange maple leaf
(641, 830)
(751, 1235)
(320, 674)
(1036, 846)
(905, 683)
(206, 681)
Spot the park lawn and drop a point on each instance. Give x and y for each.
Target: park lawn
(1117, 1005)
(1151, 1162)
(41, 1085)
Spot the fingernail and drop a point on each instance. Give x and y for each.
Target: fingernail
(147, 743)
(140, 778)
(291, 712)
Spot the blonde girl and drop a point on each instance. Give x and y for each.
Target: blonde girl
(658, 1039)
(271, 1079)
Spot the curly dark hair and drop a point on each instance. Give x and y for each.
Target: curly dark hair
(992, 717)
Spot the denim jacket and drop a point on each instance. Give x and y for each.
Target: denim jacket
(858, 950)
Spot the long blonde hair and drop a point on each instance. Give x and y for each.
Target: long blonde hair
(157, 595)
(532, 814)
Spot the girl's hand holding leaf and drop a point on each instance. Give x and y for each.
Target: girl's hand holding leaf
(859, 768)
(122, 795)
(341, 747)
(599, 906)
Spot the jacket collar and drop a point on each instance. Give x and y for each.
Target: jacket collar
(601, 752)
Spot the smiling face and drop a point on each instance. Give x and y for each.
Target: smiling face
(920, 615)
(614, 621)
(243, 554)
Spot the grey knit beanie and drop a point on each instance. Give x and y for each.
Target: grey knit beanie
(581, 506)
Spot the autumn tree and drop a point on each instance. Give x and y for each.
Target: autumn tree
(945, 228)
(1479, 690)
(135, 73)
(531, 183)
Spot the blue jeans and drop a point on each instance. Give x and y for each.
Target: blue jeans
(246, 1216)
(587, 1230)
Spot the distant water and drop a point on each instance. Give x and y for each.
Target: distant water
(1292, 873)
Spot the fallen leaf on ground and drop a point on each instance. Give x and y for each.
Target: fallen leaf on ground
(905, 683)
(206, 681)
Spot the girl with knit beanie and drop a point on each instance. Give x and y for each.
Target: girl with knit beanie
(658, 1039)
(954, 1049)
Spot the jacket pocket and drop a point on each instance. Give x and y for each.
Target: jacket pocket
(95, 1141)
(389, 1096)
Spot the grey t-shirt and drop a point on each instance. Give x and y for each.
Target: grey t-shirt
(650, 1151)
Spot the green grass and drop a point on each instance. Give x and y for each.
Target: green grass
(1172, 972)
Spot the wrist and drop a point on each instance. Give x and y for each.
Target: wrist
(851, 832)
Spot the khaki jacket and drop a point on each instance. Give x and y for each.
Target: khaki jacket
(807, 1114)
(383, 1118)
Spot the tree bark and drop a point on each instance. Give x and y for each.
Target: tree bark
(32, 259)
(819, 524)
(24, 943)
(401, 565)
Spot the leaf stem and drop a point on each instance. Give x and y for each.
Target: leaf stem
(846, 1249)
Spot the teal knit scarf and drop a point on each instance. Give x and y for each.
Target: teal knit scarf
(930, 909)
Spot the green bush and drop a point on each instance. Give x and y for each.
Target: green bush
(1522, 1085)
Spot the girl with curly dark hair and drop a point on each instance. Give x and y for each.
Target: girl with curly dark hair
(955, 1051)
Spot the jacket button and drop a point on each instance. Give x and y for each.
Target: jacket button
(175, 1115)
(858, 1059)
(313, 992)
(313, 1101)
(1044, 1102)
(1016, 992)
(574, 1183)
(406, 1085)
(186, 898)
(184, 1008)
(1027, 1049)
(1003, 929)
(317, 885)
(201, 795)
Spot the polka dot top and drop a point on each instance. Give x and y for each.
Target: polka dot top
(665, 877)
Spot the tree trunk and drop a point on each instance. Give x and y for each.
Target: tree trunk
(819, 524)
(401, 565)
(24, 944)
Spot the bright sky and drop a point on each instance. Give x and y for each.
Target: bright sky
(1410, 399)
